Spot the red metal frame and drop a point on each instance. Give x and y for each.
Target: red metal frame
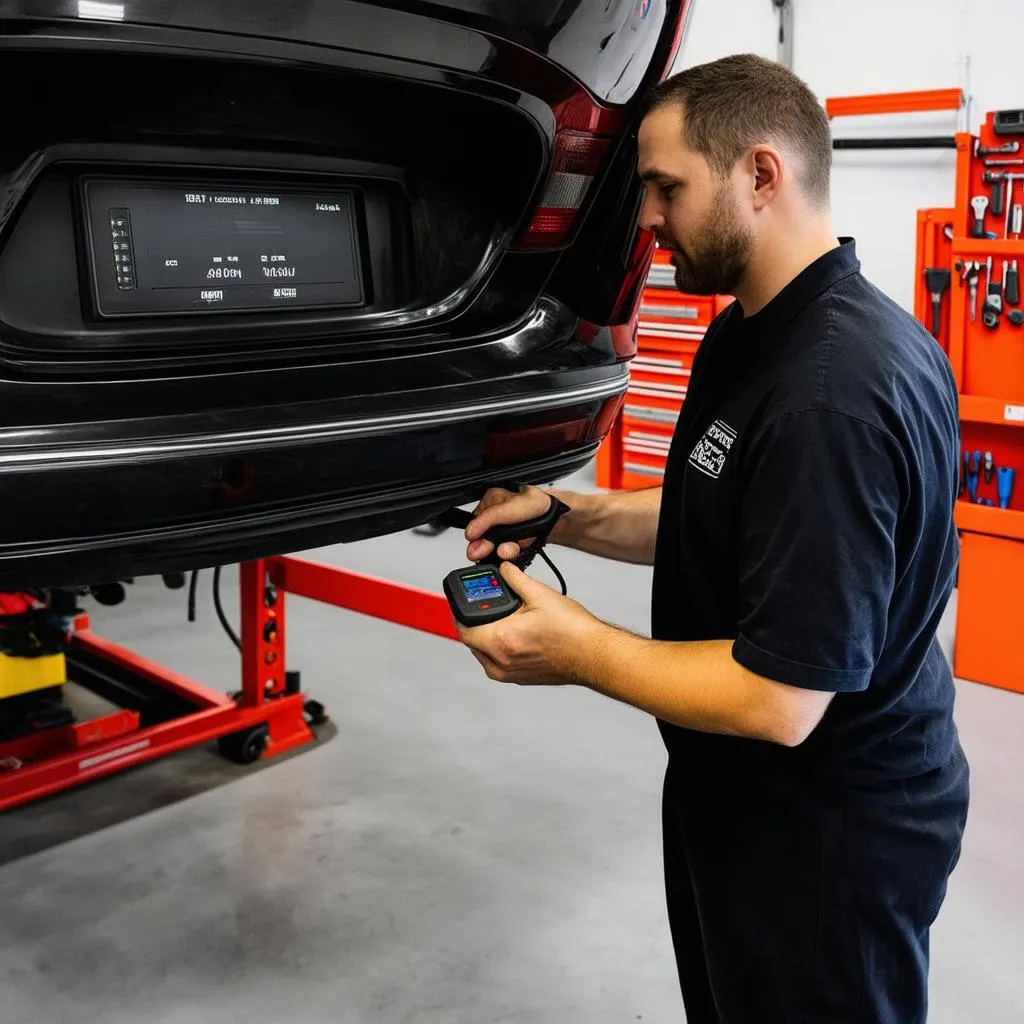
(56, 759)
(894, 103)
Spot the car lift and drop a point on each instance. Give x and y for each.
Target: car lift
(160, 712)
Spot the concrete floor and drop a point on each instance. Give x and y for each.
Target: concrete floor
(458, 853)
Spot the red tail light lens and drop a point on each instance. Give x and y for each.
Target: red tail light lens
(624, 318)
(575, 162)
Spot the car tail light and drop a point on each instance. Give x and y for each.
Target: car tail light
(626, 314)
(631, 292)
(576, 160)
(682, 19)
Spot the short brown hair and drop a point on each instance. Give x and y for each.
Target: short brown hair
(746, 100)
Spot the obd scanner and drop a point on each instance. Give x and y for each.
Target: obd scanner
(477, 594)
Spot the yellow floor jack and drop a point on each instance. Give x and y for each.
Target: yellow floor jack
(33, 670)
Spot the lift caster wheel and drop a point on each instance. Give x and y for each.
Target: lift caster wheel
(315, 712)
(245, 747)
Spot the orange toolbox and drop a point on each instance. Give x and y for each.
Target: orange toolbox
(981, 327)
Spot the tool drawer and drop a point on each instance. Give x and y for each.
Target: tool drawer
(670, 329)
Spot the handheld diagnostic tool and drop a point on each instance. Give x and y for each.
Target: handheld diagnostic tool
(477, 594)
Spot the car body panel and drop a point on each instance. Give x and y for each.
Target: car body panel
(156, 444)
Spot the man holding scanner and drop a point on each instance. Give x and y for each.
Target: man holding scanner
(803, 550)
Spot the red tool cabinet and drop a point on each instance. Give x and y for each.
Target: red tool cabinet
(669, 331)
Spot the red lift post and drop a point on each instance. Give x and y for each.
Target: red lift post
(161, 712)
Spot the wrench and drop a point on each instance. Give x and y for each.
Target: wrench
(1006, 147)
(969, 274)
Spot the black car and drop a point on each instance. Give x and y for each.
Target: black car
(281, 274)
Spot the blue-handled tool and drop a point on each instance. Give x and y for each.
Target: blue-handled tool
(972, 475)
(1005, 484)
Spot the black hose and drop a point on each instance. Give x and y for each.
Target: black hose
(193, 584)
(220, 610)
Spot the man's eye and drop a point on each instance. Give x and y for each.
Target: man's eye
(668, 190)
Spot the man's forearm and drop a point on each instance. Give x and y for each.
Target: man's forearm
(622, 526)
(697, 685)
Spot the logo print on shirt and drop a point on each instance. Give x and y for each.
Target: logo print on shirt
(712, 449)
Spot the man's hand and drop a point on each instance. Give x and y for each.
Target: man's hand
(544, 643)
(553, 641)
(499, 507)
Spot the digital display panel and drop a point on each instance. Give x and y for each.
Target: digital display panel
(482, 587)
(165, 248)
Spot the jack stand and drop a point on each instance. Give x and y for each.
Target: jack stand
(161, 712)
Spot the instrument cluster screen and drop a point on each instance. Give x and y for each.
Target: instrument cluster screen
(164, 249)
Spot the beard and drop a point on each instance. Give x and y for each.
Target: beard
(715, 256)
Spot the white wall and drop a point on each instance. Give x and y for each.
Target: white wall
(844, 48)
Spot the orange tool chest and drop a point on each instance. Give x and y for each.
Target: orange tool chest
(669, 331)
(987, 356)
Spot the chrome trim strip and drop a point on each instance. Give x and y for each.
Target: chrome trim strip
(314, 433)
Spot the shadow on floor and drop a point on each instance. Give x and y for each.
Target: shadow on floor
(113, 799)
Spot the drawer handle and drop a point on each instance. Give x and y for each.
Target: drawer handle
(649, 412)
(675, 312)
(642, 470)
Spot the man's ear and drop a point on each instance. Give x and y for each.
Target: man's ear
(767, 170)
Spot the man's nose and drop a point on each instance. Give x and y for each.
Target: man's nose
(651, 218)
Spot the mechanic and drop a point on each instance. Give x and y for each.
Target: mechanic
(804, 550)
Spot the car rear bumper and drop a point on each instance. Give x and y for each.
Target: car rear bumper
(170, 494)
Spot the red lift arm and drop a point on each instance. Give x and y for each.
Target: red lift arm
(161, 712)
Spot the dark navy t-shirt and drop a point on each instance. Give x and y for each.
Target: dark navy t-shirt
(807, 515)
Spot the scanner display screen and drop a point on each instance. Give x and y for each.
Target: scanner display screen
(482, 586)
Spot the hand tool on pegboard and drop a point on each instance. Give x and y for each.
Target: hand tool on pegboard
(1011, 283)
(1006, 180)
(1005, 486)
(936, 281)
(993, 305)
(1006, 147)
(979, 204)
(972, 463)
(969, 276)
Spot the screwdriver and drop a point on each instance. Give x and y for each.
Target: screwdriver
(989, 467)
(1011, 283)
(1018, 220)
(1005, 486)
(972, 475)
(937, 281)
